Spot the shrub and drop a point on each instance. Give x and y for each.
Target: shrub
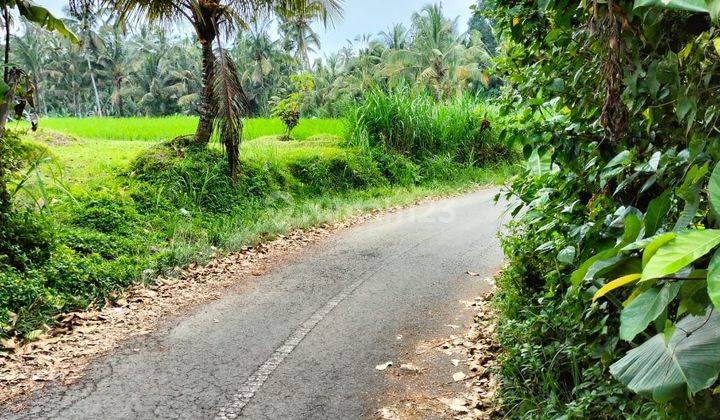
(344, 171)
(609, 305)
(397, 168)
(26, 240)
(105, 213)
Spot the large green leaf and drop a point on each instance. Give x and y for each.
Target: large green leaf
(633, 225)
(43, 18)
(656, 211)
(689, 5)
(713, 280)
(656, 243)
(689, 361)
(578, 275)
(714, 190)
(539, 164)
(644, 309)
(680, 252)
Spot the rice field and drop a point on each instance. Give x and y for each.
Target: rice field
(95, 149)
(166, 128)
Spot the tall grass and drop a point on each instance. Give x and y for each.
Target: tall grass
(166, 128)
(419, 127)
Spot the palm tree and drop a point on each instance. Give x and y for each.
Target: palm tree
(185, 75)
(296, 29)
(436, 58)
(31, 55)
(66, 72)
(395, 37)
(86, 20)
(210, 19)
(435, 44)
(267, 63)
(113, 64)
(151, 74)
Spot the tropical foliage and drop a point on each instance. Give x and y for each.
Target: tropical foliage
(613, 251)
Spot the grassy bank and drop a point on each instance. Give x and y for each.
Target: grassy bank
(109, 213)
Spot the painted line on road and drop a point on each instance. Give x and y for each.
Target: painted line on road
(256, 380)
(253, 383)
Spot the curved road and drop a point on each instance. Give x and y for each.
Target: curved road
(303, 340)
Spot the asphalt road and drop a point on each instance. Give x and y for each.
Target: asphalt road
(303, 340)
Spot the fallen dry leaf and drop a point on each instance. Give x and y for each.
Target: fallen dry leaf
(459, 376)
(473, 274)
(386, 413)
(384, 366)
(458, 405)
(410, 368)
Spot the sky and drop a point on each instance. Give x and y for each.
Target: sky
(359, 17)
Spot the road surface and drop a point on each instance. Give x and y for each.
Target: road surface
(303, 340)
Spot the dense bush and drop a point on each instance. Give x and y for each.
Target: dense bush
(417, 126)
(607, 308)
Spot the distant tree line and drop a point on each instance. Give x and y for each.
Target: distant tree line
(145, 70)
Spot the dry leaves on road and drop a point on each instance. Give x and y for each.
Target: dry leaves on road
(475, 351)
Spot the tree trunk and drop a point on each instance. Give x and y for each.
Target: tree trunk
(39, 99)
(6, 20)
(205, 125)
(12, 77)
(118, 86)
(98, 108)
(76, 104)
(4, 193)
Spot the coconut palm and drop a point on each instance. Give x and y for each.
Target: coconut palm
(396, 37)
(297, 32)
(185, 75)
(437, 57)
(265, 64)
(30, 54)
(84, 21)
(113, 64)
(209, 19)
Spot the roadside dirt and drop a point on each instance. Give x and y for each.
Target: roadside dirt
(423, 388)
(63, 352)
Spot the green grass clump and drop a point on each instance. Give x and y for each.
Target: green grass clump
(418, 127)
(166, 128)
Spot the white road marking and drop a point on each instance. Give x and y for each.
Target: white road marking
(253, 383)
(256, 380)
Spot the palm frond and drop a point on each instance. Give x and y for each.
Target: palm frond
(230, 105)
